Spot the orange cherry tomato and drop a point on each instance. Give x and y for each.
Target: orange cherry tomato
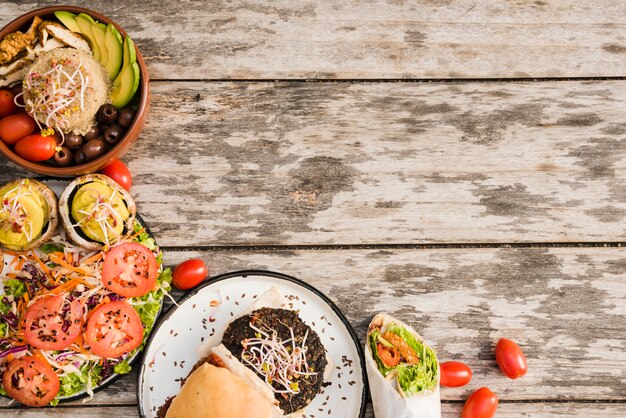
(511, 359)
(455, 374)
(189, 274)
(118, 171)
(15, 127)
(481, 404)
(36, 147)
(7, 105)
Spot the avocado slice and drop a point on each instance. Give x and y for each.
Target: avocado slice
(100, 31)
(125, 85)
(85, 201)
(69, 20)
(130, 55)
(115, 51)
(85, 23)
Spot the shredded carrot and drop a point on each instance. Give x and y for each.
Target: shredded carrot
(43, 266)
(37, 353)
(67, 286)
(136, 234)
(92, 259)
(69, 258)
(79, 345)
(61, 262)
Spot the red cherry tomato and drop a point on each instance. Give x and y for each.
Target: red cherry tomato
(481, 404)
(455, 374)
(189, 273)
(118, 171)
(7, 105)
(511, 359)
(15, 127)
(30, 381)
(36, 147)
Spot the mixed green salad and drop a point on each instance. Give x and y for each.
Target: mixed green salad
(401, 355)
(77, 280)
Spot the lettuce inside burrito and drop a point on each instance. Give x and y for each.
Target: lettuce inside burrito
(400, 355)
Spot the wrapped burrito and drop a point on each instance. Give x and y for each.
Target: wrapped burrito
(402, 369)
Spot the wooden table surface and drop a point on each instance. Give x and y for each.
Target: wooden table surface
(460, 164)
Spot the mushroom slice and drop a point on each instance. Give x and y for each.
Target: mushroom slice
(96, 212)
(28, 214)
(66, 36)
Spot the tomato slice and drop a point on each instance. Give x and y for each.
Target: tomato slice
(130, 270)
(388, 355)
(114, 329)
(30, 381)
(53, 322)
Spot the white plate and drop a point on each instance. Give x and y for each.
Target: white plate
(172, 349)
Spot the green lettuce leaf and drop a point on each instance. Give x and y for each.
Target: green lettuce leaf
(14, 287)
(51, 247)
(122, 368)
(418, 377)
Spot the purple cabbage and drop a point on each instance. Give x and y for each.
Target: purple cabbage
(13, 350)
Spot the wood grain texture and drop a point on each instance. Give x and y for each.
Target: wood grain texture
(376, 39)
(506, 410)
(381, 163)
(564, 306)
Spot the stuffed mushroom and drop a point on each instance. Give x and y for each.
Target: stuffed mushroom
(28, 215)
(96, 212)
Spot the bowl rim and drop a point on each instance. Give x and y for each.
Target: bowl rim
(122, 146)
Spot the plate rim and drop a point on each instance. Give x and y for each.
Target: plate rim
(243, 274)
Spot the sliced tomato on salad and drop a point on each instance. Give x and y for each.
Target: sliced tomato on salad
(114, 329)
(130, 270)
(30, 381)
(53, 322)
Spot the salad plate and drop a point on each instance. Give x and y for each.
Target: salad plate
(185, 334)
(60, 266)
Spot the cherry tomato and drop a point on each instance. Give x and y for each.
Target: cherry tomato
(7, 105)
(481, 404)
(455, 374)
(511, 359)
(388, 355)
(53, 322)
(118, 171)
(130, 270)
(114, 329)
(15, 127)
(36, 147)
(189, 273)
(30, 381)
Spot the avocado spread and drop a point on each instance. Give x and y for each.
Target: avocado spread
(23, 215)
(100, 212)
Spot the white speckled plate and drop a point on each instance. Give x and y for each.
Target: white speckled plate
(172, 349)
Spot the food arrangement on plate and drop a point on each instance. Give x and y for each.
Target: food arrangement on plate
(70, 88)
(82, 284)
(286, 350)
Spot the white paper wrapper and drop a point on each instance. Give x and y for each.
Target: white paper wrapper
(388, 403)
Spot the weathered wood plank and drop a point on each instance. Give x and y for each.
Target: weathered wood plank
(343, 163)
(378, 39)
(506, 410)
(564, 306)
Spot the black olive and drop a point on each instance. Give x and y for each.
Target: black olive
(107, 114)
(63, 157)
(125, 119)
(113, 134)
(73, 141)
(94, 148)
(79, 157)
(93, 133)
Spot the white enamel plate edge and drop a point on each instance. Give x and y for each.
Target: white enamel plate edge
(173, 348)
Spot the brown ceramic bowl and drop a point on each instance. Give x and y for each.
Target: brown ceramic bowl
(133, 131)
